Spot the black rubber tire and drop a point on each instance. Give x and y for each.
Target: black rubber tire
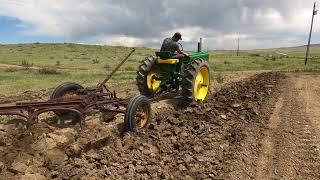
(189, 76)
(144, 69)
(59, 92)
(130, 114)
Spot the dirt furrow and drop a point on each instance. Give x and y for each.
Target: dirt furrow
(218, 140)
(199, 142)
(291, 146)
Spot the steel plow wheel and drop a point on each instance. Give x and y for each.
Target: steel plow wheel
(142, 116)
(66, 91)
(138, 114)
(69, 94)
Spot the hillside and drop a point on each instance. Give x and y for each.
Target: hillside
(44, 66)
(292, 51)
(70, 56)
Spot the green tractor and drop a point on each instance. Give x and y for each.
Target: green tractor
(162, 74)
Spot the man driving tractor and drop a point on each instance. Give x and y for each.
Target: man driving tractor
(171, 70)
(171, 45)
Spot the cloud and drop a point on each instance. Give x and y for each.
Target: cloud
(121, 40)
(146, 22)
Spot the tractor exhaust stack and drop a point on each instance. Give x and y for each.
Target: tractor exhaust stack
(200, 45)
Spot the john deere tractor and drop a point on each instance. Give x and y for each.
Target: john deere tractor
(162, 73)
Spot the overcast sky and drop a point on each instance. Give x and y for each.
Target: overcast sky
(259, 23)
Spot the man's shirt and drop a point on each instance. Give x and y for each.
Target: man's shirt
(169, 45)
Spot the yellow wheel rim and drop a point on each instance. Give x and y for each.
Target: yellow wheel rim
(152, 82)
(201, 84)
(142, 117)
(69, 94)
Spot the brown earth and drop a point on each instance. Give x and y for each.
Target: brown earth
(263, 127)
(6, 66)
(291, 147)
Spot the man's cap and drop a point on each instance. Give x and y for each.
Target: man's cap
(177, 35)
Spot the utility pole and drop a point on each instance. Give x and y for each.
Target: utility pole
(314, 12)
(238, 48)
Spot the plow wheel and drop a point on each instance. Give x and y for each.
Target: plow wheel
(196, 82)
(66, 91)
(138, 114)
(147, 77)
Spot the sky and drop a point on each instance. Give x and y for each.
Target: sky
(145, 23)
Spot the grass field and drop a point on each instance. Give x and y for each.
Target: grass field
(42, 66)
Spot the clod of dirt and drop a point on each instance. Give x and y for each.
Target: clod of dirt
(33, 177)
(19, 167)
(2, 166)
(56, 156)
(48, 141)
(223, 116)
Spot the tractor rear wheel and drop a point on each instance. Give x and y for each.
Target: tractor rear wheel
(138, 114)
(147, 75)
(196, 82)
(66, 91)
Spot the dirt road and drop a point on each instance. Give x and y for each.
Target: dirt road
(291, 148)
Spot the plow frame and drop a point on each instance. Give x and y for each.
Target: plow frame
(86, 100)
(80, 105)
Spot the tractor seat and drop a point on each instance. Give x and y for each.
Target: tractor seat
(168, 61)
(165, 57)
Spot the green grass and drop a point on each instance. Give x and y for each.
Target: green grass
(44, 66)
(69, 56)
(84, 64)
(286, 59)
(268, 61)
(20, 81)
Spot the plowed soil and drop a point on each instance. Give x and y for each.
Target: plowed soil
(264, 127)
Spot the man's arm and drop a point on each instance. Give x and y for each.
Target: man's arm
(179, 51)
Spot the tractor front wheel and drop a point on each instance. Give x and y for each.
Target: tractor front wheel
(196, 82)
(138, 114)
